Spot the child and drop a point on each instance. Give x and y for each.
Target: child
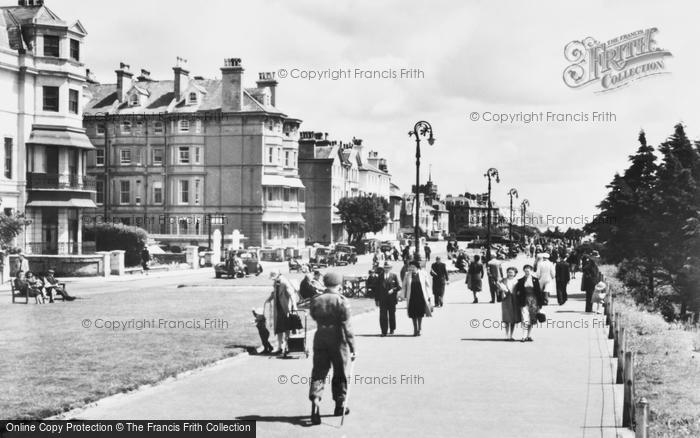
(260, 323)
(599, 295)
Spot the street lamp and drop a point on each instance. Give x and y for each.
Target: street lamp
(491, 173)
(523, 209)
(513, 193)
(421, 129)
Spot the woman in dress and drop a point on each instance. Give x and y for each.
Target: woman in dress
(510, 310)
(284, 302)
(530, 300)
(475, 275)
(417, 292)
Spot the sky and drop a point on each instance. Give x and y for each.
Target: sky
(475, 57)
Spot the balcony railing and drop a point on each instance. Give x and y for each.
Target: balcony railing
(56, 181)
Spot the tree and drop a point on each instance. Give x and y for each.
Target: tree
(363, 214)
(676, 202)
(10, 227)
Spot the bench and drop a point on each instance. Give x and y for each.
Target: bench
(16, 294)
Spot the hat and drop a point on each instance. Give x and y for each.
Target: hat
(545, 255)
(332, 279)
(387, 265)
(600, 286)
(275, 273)
(51, 271)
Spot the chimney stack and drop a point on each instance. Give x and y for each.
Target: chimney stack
(145, 76)
(181, 78)
(123, 75)
(267, 80)
(30, 2)
(231, 85)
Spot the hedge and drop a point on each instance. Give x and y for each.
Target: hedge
(109, 236)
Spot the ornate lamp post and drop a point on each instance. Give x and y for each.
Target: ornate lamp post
(513, 193)
(491, 173)
(523, 209)
(421, 129)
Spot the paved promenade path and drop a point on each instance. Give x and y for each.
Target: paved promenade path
(460, 378)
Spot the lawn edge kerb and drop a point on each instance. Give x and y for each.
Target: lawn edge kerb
(648, 327)
(173, 375)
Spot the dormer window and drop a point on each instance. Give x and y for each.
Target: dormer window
(192, 98)
(134, 100)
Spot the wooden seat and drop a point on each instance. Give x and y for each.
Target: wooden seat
(15, 293)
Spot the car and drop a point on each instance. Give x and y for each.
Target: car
(322, 257)
(250, 264)
(345, 255)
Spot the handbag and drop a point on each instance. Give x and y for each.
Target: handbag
(541, 317)
(295, 322)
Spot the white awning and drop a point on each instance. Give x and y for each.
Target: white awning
(282, 181)
(73, 202)
(282, 217)
(69, 136)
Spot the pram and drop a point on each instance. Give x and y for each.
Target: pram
(296, 344)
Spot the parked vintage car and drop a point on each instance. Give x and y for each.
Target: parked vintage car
(322, 257)
(250, 264)
(345, 255)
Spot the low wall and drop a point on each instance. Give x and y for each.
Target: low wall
(87, 265)
(168, 258)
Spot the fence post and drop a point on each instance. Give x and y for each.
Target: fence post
(621, 350)
(611, 327)
(641, 426)
(609, 308)
(628, 404)
(616, 333)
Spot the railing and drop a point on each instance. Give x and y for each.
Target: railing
(56, 181)
(48, 248)
(635, 414)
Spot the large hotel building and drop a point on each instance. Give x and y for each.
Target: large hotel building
(182, 156)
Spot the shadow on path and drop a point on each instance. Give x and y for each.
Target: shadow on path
(375, 335)
(484, 339)
(295, 420)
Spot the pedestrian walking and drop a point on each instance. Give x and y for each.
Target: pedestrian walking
(145, 259)
(438, 272)
(589, 278)
(562, 273)
(387, 287)
(545, 273)
(510, 309)
(573, 261)
(334, 345)
(427, 251)
(494, 271)
(284, 302)
(416, 291)
(530, 300)
(475, 276)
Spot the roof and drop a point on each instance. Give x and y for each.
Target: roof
(160, 98)
(12, 18)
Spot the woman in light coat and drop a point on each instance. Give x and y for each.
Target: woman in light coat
(417, 293)
(284, 302)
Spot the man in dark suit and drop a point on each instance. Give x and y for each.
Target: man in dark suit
(588, 280)
(438, 271)
(386, 290)
(562, 276)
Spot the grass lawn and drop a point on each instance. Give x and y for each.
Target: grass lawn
(51, 364)
(667, 368)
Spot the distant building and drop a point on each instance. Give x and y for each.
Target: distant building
(44, 147)
(434, 216)
(331, 170)
(182, 156)
(470, 210)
